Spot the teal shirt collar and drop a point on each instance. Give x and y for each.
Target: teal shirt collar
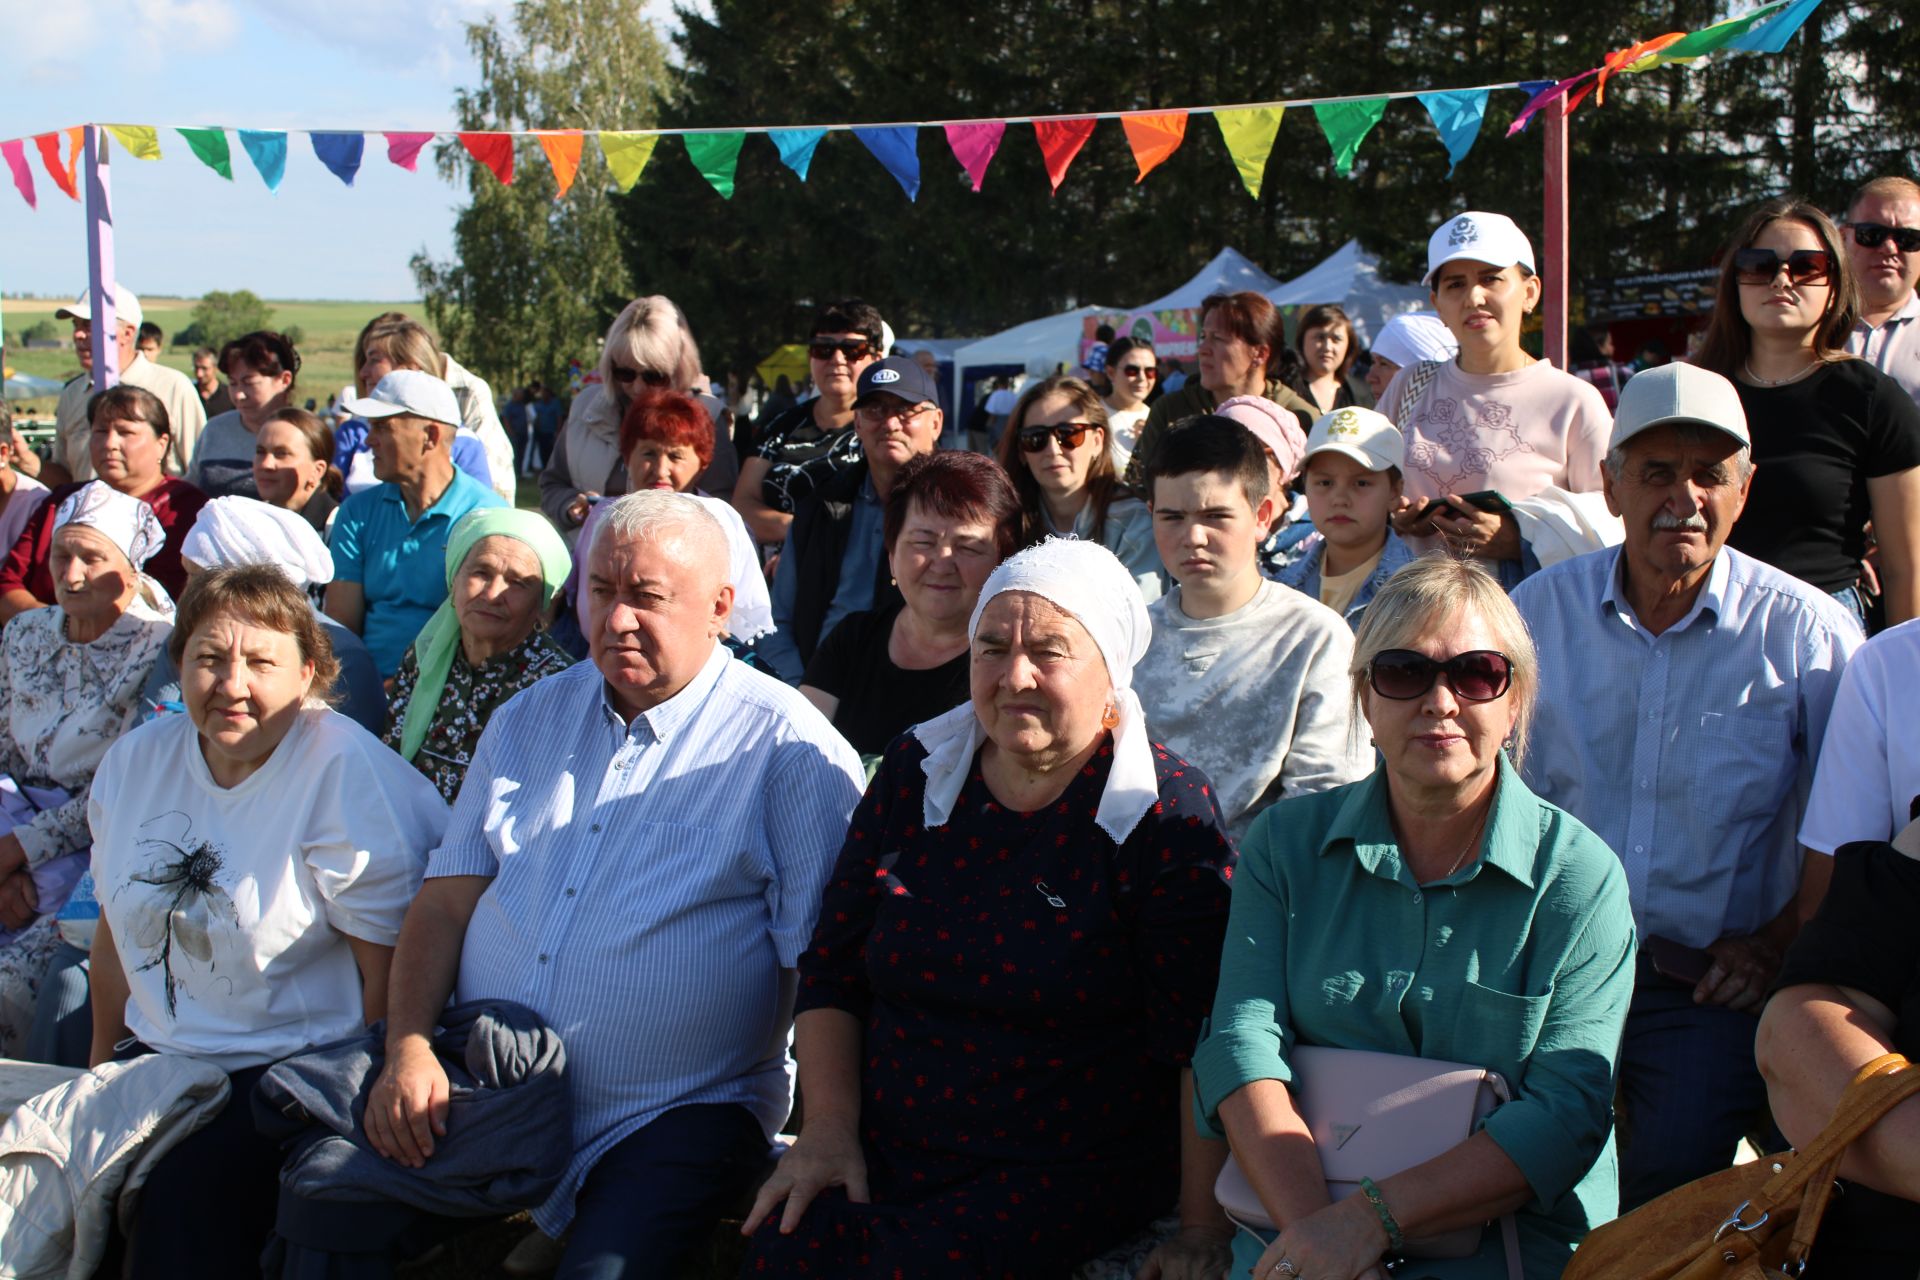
(1508, 845)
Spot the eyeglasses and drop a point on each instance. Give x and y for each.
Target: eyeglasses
(1146, 371)
(652, 377)
(1804, 266)
(1070, 435)
(1871, 235)
(853, 349)
(876, 414)
(1479, 675)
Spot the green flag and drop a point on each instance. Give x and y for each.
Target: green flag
(1346, 125)
(715, 155)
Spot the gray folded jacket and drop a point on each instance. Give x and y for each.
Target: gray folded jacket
(509, 1122)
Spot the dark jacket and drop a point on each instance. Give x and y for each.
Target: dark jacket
(509, 1122)
(819, 536)
(1189, 401)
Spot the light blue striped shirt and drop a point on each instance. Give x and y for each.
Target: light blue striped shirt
(1690, 752)
(650, 882)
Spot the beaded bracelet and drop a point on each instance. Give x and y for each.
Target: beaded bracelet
(1395, 1240)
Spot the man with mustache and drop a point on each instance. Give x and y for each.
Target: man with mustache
(1685, 691)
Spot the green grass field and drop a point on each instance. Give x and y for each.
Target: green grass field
(326, 352)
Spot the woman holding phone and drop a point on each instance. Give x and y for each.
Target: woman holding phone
(1493, 418)
(1836, 443)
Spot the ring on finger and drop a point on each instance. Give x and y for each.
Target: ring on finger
(1284, 1267)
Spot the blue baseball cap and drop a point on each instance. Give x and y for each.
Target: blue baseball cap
(896, 376)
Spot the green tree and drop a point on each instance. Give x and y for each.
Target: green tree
(535, 281)
(220, 317)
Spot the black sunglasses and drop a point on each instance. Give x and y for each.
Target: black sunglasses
(1070, 435)
(1871, 235)
(852, 348)
(1140, 370)
(1804, 266)
(1479, 675)
(652, 377)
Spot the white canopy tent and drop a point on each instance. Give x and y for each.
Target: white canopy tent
(1350, 276)
(1036, 346)
(1229, 272)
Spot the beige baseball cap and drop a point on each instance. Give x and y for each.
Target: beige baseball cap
(1369, 438)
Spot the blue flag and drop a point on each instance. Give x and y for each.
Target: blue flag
(897, 149)
(340, 152)
(268, 151)
(796, 147)
(1457, 116)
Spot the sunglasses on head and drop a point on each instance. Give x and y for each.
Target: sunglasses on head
(1480, 675)
(852, 348)
(1804, 266)
(1146, 371)
(1070, 435)
(652, 377)
(1871, 235)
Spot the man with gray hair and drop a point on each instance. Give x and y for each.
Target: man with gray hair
(1685, 689)
(1883, 247)
(637, 855)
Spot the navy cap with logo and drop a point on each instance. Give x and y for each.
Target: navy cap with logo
(896, 376)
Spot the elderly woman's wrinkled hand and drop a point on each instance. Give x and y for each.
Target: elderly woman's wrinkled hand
(19, 900)
(822, 1156)
(1343, 1241)
(1194, 1253)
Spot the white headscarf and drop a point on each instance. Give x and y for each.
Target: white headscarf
(752, 614)
(1415, 336)
(233, 531)
(123, 520)
(1087, 581)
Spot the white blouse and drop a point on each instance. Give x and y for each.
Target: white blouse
(230, 907)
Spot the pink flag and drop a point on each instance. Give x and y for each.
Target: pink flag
(404, 149)
(16, 154)
(973, 146)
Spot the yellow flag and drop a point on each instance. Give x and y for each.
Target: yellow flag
(142, 141)
(627, 154)
(1249, 134)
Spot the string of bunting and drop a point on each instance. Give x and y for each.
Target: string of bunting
(1249, 130)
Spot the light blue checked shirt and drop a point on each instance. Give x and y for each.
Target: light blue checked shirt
(650, 882)
(1690, 752)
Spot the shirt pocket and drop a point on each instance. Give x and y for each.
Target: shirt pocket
(1501, 1028)
(1739, 766)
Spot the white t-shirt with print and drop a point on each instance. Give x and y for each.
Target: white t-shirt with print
(230, 906)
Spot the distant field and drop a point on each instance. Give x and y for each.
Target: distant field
(326, 352)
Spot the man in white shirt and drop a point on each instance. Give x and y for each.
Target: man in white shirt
(185, 413)
(1883, 247)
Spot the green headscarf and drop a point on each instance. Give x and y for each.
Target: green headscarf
(434, 647)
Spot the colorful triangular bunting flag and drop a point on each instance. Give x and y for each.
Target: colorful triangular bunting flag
(1347, 125)
(15, 152)
(1060, 141)
(340, 152)
(494, 150)
(1154, 138)
(715, 155)
(563, 147)
(627, 154)
(404, 149)
(896, 147)
(210, 145)
(1457, 116)
(974, 144)
(796, 147)
(267, 148)
(1249, 133)
(48, 145)
(142, 141)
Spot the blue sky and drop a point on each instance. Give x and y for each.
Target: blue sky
(181, 229)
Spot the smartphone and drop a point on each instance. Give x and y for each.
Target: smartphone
(1488, 500)
(1676, 961)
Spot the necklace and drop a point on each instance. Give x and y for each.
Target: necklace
(1780, 382)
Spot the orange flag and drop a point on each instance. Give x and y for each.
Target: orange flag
(1060, 142)
(563, 153)
(62, 173)
(1154, 138)
(494, 150)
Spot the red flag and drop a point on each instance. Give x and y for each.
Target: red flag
(1060, 142)
(61, 172)
(494, 150)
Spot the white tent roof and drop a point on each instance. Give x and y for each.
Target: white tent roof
(1350, 276)
(1036, 346)
(1229, 272)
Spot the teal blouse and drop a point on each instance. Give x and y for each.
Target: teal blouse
(1521, 962)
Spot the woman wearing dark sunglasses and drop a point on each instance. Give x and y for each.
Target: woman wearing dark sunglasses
(1836, 443)
(648, 346)
(1056, 449)
(1134, 370)
(1437, 909)
(814, 440)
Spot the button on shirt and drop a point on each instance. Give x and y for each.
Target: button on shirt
(650, 882)
(1690, 752)
(400, 563)
(1892, 346)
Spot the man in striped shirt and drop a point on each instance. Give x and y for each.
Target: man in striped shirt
(637, 854)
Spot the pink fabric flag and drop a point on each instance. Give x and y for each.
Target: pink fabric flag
(404, 149)
(1060, 142)
(16, 154)
(973, 146)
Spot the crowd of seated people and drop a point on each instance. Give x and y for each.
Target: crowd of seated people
(939, 863)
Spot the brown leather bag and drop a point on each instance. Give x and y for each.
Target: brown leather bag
(1755, 1221)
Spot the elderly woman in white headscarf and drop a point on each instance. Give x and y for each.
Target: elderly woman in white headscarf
(1408, 339)
(72, 678)
(998, 1005)
(233, 531)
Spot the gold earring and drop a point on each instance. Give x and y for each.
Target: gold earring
(1110, 719)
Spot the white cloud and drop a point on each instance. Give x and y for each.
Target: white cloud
(53, 41)
(429, 37)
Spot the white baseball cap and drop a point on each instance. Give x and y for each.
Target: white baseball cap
(1675, 393)
(1492, 238)
(126, 307)
(1414, 336)
(409, 391)
(1369, 438)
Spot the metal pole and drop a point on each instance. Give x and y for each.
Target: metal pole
(1554, 273)
(106, 327)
